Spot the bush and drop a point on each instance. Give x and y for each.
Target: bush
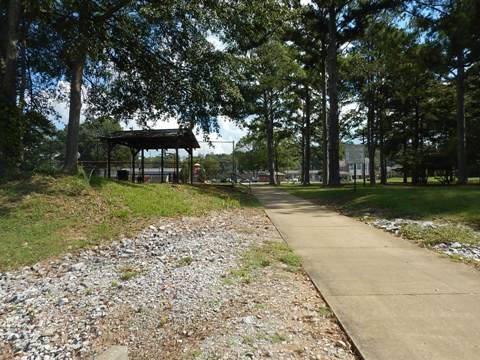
(46, 168)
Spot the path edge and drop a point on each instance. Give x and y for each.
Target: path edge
(355, 347)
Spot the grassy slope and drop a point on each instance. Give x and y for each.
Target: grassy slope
(460, 204)
(431, 180)
(46, 216)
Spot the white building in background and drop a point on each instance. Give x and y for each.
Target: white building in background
(350, 168)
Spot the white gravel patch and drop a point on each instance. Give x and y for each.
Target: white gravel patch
(394, 226)
(174, 304)
(53, 309)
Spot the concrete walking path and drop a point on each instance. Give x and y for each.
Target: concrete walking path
(396, 300)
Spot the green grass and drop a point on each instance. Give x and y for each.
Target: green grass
(431, 180)
(452, 203)
(128, 273)
(325, 311)
(268, 254)
(248, 340)
(278, 338)
(185, 261)
(46, 216)
(443, 234)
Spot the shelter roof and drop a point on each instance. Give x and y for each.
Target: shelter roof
(154, 139)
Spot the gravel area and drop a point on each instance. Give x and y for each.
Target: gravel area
(466, 251)
(394, 226)
(471, 252)
(167, 294)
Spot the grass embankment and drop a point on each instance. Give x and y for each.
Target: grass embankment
(45, 216)
(450, 204)
(431, 180)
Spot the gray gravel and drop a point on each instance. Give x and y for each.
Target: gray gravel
(55, 309)
(467, 251)
(394, 226)
(471, 252)
(164, 295)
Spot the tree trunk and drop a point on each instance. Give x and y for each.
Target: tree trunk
(405, 175)
(24, 64)
(371, 138)
(383, 168)
(461, 152)
(275, 159)
(302, 170)
(306, 173)
(333, 127)
(383, 160)
(9, 88)
(76, 73)
(270, 152)
(324, 124)
(416, 142)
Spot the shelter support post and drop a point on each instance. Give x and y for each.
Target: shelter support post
(133, 152)
(143, 166)
(176, 166)
(191, 166)
(141, 140)
(109, 160)
(161, 165)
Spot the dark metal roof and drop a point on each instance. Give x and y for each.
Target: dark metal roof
(154, 139)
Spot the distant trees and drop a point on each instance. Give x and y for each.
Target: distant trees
(272, 70)
(212, 167)
(127, 59)
(286, 70)
(407, 69)
(406, 87)
(453, 27)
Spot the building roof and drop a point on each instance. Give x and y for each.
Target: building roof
(154, 139)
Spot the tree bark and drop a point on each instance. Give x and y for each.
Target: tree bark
(416, 143)
(24, 64)
(76, 73)
(302, 170)
(307, 150)
(270, 152)
(333, 126)
(324, 124)
(371, 138)
(383, 160)
(405, 175)
(9, 88)
(461, 151)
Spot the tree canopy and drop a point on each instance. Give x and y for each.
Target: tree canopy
(400, 76)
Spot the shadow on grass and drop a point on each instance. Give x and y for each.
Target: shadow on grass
(99, 182)
(452, 203)
(227, 191)
(223, 192)
(14, 192)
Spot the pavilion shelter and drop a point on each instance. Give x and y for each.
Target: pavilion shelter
(152, 139)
